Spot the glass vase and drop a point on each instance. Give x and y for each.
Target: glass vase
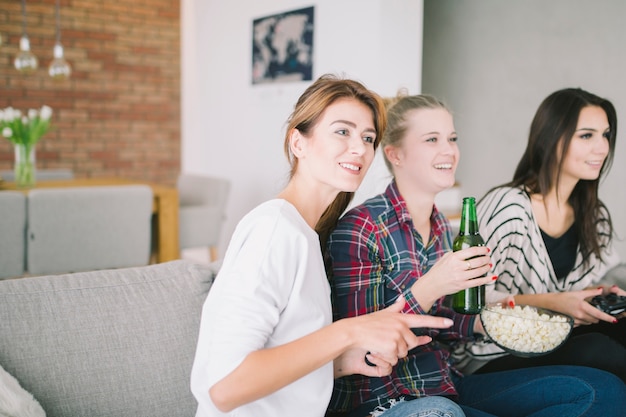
(24, 165)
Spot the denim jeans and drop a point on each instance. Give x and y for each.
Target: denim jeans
(419, 407)
(543, 391)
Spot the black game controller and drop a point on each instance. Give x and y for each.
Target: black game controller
(611, 304)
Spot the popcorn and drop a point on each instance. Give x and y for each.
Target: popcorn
(524, 329)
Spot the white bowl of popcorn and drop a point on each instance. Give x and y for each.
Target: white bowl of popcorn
(526, 330)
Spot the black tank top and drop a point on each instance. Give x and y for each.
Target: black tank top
(562, 251)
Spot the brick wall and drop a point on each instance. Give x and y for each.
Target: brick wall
(119, 113)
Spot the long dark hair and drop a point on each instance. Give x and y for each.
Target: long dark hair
(539, 169)
(309, 109)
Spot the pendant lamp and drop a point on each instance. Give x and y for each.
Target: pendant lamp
(25, 61)
(59, 68)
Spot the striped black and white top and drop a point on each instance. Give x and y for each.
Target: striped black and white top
(519, 255)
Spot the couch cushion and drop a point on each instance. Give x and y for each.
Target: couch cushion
(106, 343)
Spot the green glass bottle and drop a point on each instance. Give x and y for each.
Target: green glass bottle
(471, 300)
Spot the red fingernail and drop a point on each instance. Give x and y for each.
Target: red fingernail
(511, 304)
(600, 288)
(488, 250)
(495, 277)
(490, 265)
(615, 321)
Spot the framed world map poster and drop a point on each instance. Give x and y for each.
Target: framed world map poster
(282, 47)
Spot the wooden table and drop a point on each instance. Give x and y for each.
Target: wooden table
(165, 208)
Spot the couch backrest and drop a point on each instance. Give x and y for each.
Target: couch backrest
(106, 343)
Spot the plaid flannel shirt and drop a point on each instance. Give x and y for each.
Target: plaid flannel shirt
(376, 255)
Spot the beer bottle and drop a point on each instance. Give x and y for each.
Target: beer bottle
(471, 300)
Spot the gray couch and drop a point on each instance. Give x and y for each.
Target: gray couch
(116, 343)
(106, 343)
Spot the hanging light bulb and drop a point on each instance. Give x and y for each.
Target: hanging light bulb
(25, 61)
(59, 68)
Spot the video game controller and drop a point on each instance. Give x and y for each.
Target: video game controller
(611, 304)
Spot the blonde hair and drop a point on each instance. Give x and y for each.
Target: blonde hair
(397, 109)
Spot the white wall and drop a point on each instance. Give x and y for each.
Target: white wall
(235, 129)
(494, 61)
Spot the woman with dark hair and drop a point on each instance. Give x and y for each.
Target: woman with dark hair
(267, 344)
(551, 235)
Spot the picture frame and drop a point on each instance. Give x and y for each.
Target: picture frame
(282, 47)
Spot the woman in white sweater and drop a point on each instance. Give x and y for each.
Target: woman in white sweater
(267, 345)
(551, 235)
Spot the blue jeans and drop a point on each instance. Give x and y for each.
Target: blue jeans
(543, 391)
(419, 407)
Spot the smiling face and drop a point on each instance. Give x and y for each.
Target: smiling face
(589, 146)
(340, 148)
(428, 155)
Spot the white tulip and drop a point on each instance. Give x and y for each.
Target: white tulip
(9, 114)
(25, 120)
(46, 112)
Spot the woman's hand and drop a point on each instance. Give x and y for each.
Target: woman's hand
(615, 290)
(508, 301)
(576, 304)
(453, 272)
(353, 361)
(384, 336)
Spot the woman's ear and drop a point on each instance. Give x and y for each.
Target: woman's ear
(392, 154)
(297, 143)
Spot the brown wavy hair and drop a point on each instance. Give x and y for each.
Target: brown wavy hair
(308, 111)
